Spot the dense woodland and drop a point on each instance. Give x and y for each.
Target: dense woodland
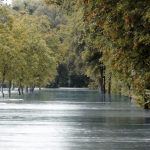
(102, 44)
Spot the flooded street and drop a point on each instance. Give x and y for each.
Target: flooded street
(73, 119)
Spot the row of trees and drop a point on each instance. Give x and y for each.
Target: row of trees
(27, 55)
(101, 41)
(34, 40)
(110, 41)
(61, 21)
(121, 35)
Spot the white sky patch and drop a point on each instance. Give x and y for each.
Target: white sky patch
(9, 1)
(6, 1)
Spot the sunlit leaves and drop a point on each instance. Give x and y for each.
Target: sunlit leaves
(25, 57)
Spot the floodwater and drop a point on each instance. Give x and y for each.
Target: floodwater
(72, 119)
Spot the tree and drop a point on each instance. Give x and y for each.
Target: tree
(120, 28)
(7, 46)
(40, 64)
(26, 58)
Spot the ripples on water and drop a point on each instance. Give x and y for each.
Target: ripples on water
(73, 119)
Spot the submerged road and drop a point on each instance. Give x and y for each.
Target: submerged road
(73, 119)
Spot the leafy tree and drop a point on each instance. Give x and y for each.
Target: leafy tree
(40, 61)
(6, 46)
(116, 38)
(122, 35)
(26, 58)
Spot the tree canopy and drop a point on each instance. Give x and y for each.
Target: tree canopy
(102, 43)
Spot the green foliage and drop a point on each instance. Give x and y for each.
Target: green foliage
(108, 41)
(72, 42)
(119, 29)
(26, 58)
(111, 43)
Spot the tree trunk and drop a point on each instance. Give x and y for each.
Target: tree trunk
(9, 90)
(146, 106)
(27, 90)
(69, 80)
(100, 84)
(104, 85)
(102, 79)
(32, 88)
(2, 85)
(120, 88)
(109, 84)
(3, 80)
(19, 91)
(2, 90)
(146, 100)
(22, 90)
(129, 88)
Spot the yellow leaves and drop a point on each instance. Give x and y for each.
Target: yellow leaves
(5, 18)
(24, 50)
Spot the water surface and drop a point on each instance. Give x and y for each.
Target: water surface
(73, 119)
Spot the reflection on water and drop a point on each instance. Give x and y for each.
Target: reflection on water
(62, 119)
